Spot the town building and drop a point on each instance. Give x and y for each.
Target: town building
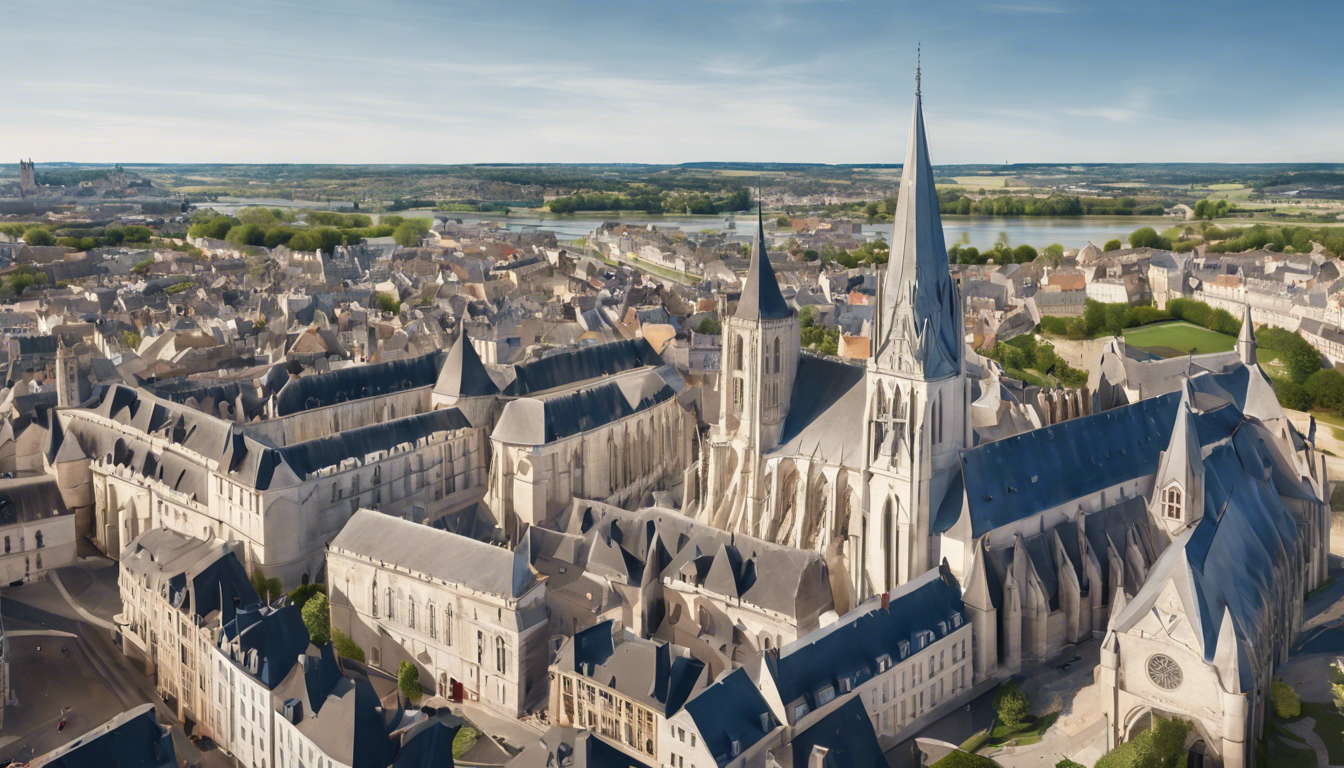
(471, 616)
(133, 737)
(37, 531)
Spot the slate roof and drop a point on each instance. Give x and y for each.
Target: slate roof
(731, 710)
(581, 364)
(351, 727)
(358, 381)
(439, 554)
(29, 499)
(644, 670)
(463, 374)
(851, 647)
(826, 413)
(550, 417)
(329, 451)
(847, 735)
(278, 637)
(132, 739)
(561, 744)
(761, 299)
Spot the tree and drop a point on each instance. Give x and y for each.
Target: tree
(783, 221)
(1011, 704)
(300, 595)
(246, 234)
(1112, 245)
(317, 618)
(1301, 360)
(408, 681)
(709, 326)
(345, 646)
(1054, 253)
(267, 589)
(39, 236)
(1202, 209)
(1147, 237)
(810, 254)
(24, 278)
(1024, 253)
(387, 302)
(130, 340)
(409, 233)
(1287, 704)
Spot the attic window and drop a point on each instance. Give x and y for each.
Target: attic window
(1171, 502)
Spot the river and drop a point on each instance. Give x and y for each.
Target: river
(1038, 231)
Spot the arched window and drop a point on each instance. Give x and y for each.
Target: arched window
(737, 396)
(448, 624)
(377, 485)
(1171, 502)
(388, 595)
(433, 623)
(577, 464)
(613, 462)
(499, 654)
(38, 537)
(410, 612)
(450, 471)
(738, 343)
(373, 599)
(777, 354)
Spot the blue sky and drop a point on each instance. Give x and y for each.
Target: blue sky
(650, 81)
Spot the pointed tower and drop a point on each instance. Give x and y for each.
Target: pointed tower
(465, 384)
(1178, 487)
(918, 399)
(1246, 339)
(759, 362)
(67, 375)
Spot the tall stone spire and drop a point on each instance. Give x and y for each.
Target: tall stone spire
(761, 299)
(920, 329)
(1246, 339)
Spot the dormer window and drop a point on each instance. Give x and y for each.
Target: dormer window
(1172, 502)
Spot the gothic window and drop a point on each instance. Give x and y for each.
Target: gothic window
(613, 462)
(377, 485)
(38, 537)
(738, 343)
(406, 478)
(776, 354)
(6, 545)
(1171, 502)
(410, 612)
(448, 624)
(433, 624)
(499, 654)
(450, 471)
(388, 595)
(737, 397)
(1164, 672)
(373, 599)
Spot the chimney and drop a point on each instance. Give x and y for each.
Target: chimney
(886, 601)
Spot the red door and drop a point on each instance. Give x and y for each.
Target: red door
(457, 691)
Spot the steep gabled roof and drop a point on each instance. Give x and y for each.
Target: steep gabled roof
(463, 374)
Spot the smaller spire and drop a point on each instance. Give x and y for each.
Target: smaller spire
(918, 56)
(1246, 338)
(761, 299)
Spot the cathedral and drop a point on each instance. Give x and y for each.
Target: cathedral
(1178, 515)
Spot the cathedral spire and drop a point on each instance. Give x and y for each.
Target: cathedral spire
(920, 312)
(761, 299)
(1246, 339)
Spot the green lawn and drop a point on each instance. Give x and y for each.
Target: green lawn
(1278, 748)
(1029, 732)
(1178, 338)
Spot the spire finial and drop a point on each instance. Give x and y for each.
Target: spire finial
(918, 52)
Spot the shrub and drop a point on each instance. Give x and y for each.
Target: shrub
(1287, 704)
(1011, 704)
(1292, 395)
(1056, 325)
(709, 326)
(302, 594)
(1112, 245)
(964, 760)
(39, 236)
(408, 681)
(1326, 389)
(387, 302)
(1162, 746)
(1067, 763)
(316, 614)
(267, 589)
(345, 646)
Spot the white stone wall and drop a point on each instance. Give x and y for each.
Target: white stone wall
(22, 559)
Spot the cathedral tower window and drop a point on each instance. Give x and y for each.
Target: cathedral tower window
(1172, 502)
(776, 354)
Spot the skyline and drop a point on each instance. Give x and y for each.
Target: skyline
(807, 82)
